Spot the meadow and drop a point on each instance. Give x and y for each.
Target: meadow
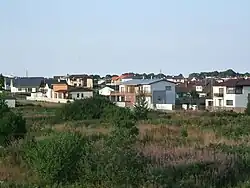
(181, 149)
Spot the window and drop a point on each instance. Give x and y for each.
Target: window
(234, 90)
(230, 90)
(82, 95)
(168, 88)
(238, 90)
(77, 95)
(229, 102)
(221, 90)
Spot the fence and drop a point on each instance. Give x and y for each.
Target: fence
(52, 100)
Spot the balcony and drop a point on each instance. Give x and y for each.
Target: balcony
(218, 95)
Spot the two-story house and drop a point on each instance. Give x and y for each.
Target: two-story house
(156, 91)
(230, 95)
(80, 80)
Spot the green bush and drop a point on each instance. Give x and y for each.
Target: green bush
(141, 107)
(12, 126)
(247, 111)
(90, 108)
(56, 159)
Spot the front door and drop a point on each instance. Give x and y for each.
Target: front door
(220, 102)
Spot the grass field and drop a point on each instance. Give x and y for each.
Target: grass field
(185, 149)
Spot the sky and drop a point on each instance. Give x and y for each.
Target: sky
(56, 37)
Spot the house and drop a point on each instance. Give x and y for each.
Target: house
(156, 92)
(80, 93)
(232, 94)
(60, 89)
(176, 79)
(25, 84)
(123, 78)
(106, 90)
(80, 80)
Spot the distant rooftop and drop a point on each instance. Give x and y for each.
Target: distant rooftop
(143, 81)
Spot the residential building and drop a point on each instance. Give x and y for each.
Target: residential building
(230, 95)
(115, 80)
(156, 91)
(176, 79)
(25, 84)
(81, 80)
(79, 93)
(106, 90)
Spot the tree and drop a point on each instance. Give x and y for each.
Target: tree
(1, 82)
(141, 107)
(247, 111)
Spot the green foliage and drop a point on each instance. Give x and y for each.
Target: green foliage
(3, 107)
(247, 111)
(1, 82)
(90, 108)
(141, 107)
(56, 159)
(12, 126)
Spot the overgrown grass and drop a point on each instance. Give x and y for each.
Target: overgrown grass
(177, 150)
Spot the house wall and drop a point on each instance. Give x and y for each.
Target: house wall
(90, 83)
(241, 100)
(57, 87)
(21, 90)
(82, 95)
(199, 88)
(106, 91)
(11, 103)
(159, 88)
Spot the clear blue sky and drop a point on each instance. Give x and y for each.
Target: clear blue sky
(51, 37)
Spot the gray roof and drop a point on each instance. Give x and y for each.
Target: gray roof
(143, 81)
(29, 82)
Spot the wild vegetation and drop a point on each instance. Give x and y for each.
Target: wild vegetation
(93, 143)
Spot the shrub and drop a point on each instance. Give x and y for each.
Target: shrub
(90, 108)
(12, 126)
(141, 107)
(247, 111)
(56, 159)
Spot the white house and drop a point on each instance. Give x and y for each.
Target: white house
(231, 94)
(80, 93)
(106, 91)
(25, 84)
(158, 92)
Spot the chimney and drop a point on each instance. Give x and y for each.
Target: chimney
(143, 77)
(151, 77)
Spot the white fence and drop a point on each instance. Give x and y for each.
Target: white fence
(121, 104)
(161, 106)
(52, 100)
(155, 107)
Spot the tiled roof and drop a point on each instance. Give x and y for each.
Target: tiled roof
(143, 81)
(234, 82)
(28, 82)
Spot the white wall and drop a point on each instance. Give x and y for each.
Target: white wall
(45, 99)
(11, 103)
(82, 95)
(22, 90)
(161, 86)
(106, 91)
(199, 88)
